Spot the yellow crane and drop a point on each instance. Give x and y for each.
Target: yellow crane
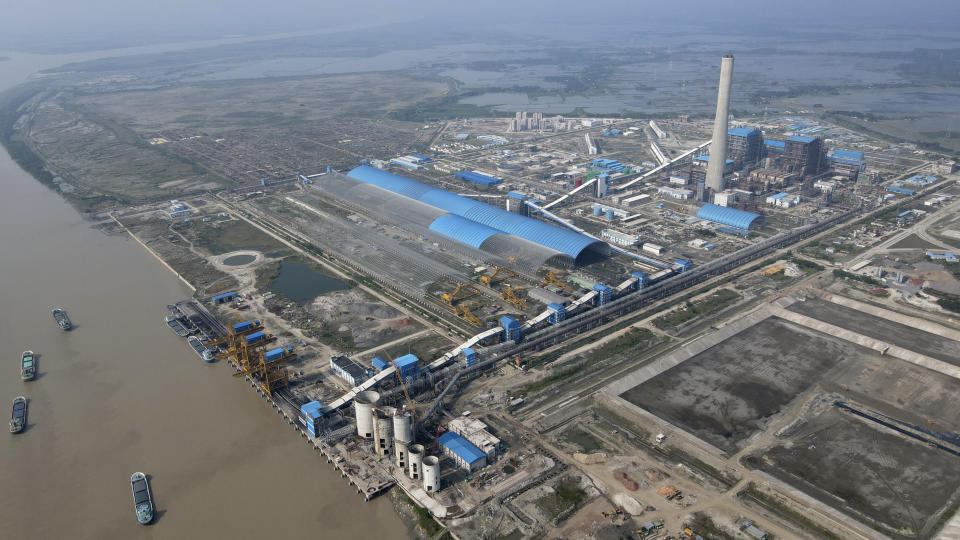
(396, 370)
(552, 279)
(500, 274)
(463, 311)
(462, 292)
(509, 295)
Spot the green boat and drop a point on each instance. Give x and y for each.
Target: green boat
(28, 366)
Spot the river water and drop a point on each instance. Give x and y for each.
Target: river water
(121, 393)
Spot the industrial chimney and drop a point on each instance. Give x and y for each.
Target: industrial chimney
(718, 148)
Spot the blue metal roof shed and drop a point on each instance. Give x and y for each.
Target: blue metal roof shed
(706, 159)
(727, 216)
(800, 139)
(478, 178)
(485, 218)
(743, 132)
(409, 365)
(462, 448)
(776, 145)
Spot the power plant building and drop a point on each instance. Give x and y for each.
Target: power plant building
(467, 456)
(744, 144)
(349, 370)
(803, 155)
(464, 220)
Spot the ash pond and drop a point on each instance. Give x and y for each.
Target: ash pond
(302, 283)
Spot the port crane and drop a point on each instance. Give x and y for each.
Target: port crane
(462, 292)
(509, 295)
(551, 279)
(463, 311)
(499, 275)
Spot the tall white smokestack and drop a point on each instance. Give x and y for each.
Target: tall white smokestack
(718, 148)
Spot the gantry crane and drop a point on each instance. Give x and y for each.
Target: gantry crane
(500, 274)
(509, 295)
(462, 292)
(552, 279)
(463, 311)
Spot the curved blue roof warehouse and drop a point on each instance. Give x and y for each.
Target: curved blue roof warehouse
(727, 216)
(473, 222)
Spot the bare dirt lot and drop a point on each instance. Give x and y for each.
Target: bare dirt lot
(728, 392)
(847, 462)
(904, 336)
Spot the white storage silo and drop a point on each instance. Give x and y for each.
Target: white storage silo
(400, 454)
(415, 455)
(363, 406)
(402, 430)
(383, 436)
(431, 474)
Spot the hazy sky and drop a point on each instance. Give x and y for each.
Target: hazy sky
(55, 24)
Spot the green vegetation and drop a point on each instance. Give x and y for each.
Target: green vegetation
(945, 517)
(424, 519)
(234, 235)
(443, 107)
(856, 277)
(635, 339)
(703, 525)
(707, 306)
(509, 469)
(781, 509)
(584, 439)
(951, 305)
(808, 267)
(567, 496)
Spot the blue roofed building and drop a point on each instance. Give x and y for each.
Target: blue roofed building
(486, 227)
(409, 366)
(467, 456)
(478, 178)
(727, 216)
(773, 147)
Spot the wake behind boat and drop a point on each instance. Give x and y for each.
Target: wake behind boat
(142, 501)
(28, 366)
(63, 321)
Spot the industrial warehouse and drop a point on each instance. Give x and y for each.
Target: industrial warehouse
(502, 325)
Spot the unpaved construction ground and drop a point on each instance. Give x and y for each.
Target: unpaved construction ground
(728, 392)
(913, 339)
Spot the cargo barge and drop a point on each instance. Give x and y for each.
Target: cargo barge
(63, 321)
(142, 501)
(177, 326)
(205, 354)
(28, 366)
(18, 418)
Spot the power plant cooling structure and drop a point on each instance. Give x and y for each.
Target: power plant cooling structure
(364, 406)
(718, 146)
(431, 474)
(414, 468)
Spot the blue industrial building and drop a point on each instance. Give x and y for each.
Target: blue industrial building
(901, 190)
(484, 226)
(255, 337)
(349, 370)
(379, 364)
(511, 327)
(559, 313)
(409, 366)
(224, 298)
(310, 415)
(774, 147)
(478, 178)
(469, 356)
(607, 164)
(467, 456)
(727, 216)
(603, 293)
(744, 144)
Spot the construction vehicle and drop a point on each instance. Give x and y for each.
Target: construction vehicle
(509, 295)
(462, 292)
(552, 279)
(500, 274)
(681, 210)
(463, 311)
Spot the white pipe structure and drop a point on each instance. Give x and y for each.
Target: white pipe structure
(718, 150)
(574, 191)
(652, 172)
(431, 474)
